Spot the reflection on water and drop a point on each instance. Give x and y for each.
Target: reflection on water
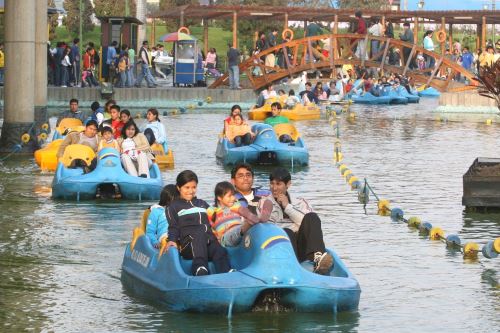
(60, 261)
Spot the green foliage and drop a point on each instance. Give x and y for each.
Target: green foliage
(362, 4)
(113, 7)
(72, 20)
(52, 21)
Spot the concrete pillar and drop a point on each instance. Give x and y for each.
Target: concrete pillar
(141, 29)
(41, 37)
(19, 113)
(205, 35)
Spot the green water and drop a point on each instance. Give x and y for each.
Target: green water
(60, 262)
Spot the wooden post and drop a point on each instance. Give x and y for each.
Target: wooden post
(336, 24)
(152, 33)
(305, 28)
(181, 22)
(235, 29)
(478, 37)
(286, 22)
(483, 33)
(205, 35)
(442, 44)
(415, 30)
(450, 35)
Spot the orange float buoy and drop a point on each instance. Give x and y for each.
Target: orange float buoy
(285, 32)
(441, 36)
(185, 30)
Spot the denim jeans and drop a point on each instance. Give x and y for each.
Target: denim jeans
(145, 73)
(234, 77)
(65, 76)
(123, 79)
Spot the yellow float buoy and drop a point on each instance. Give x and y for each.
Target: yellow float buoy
(414, 221)
(436, 233)
(25, 138)
(347, 173)
(337, 157)
(45, 127)
(383, 204)
(342, 167)
(352, 180)
(496, 245)
(470, 250)
(352, 115)
(43, 136)
(488, 121)
(209, 99)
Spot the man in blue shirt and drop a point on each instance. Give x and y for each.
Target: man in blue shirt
(110, 61)
(233, 60)
(75, 60)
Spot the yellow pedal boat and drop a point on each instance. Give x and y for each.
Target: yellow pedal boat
(164, 160)
(299, 112)
(46, 157)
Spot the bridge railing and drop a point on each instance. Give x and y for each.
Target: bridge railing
(304, 54)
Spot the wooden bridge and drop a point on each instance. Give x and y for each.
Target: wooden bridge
(341, 51)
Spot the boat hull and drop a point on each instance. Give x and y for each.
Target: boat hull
(262, 268)
(73, 184)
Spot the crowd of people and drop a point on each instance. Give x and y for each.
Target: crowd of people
(396, 56)
(110, 126)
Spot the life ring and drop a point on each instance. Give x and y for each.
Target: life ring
(25, 138)
(284, 33)
(441, 36)
(184, 29)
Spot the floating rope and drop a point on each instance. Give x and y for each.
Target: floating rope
(470, 250)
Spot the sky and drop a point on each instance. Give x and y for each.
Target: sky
(452, 4)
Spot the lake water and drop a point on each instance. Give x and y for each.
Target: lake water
(60, 262)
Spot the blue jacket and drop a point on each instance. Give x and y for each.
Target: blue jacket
(158, 130)
(157, 226)
(186, 218)
(111, 55)
(467, 60)
(258, 193)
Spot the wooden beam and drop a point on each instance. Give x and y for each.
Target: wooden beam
(483, 33)
(285, 26)
(436, 69)
(415, 30)
(336, 24)
(443, 27)
(205, 35)
(235, 29)
(450, 36)
(382, 63)
(410, 57)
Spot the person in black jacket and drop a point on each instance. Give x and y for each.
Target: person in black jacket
(189, 225)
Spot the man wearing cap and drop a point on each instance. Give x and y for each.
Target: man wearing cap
(298, 220)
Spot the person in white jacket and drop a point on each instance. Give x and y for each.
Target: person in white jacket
(298, 220)
(153, 129)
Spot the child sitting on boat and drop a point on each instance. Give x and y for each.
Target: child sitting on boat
(229, 219)
(292, 100)
(136, 154)
(239, 132)
(275, 119)
(107, 139)
(157, 224)
(154, 129)
(235, 109)
(189, 225)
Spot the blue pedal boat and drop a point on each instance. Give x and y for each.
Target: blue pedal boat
(266, 149)
(411, 97)
(429, 92)
(395, 96)
(71, 184)
(368, 98)
(265, 266)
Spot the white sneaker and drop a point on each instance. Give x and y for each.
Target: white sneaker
(201, 271)
(323, 263)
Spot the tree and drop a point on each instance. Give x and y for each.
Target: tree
(72, 20)
(52, 21)
(361, 4)
(489, 82)
(113, 7)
